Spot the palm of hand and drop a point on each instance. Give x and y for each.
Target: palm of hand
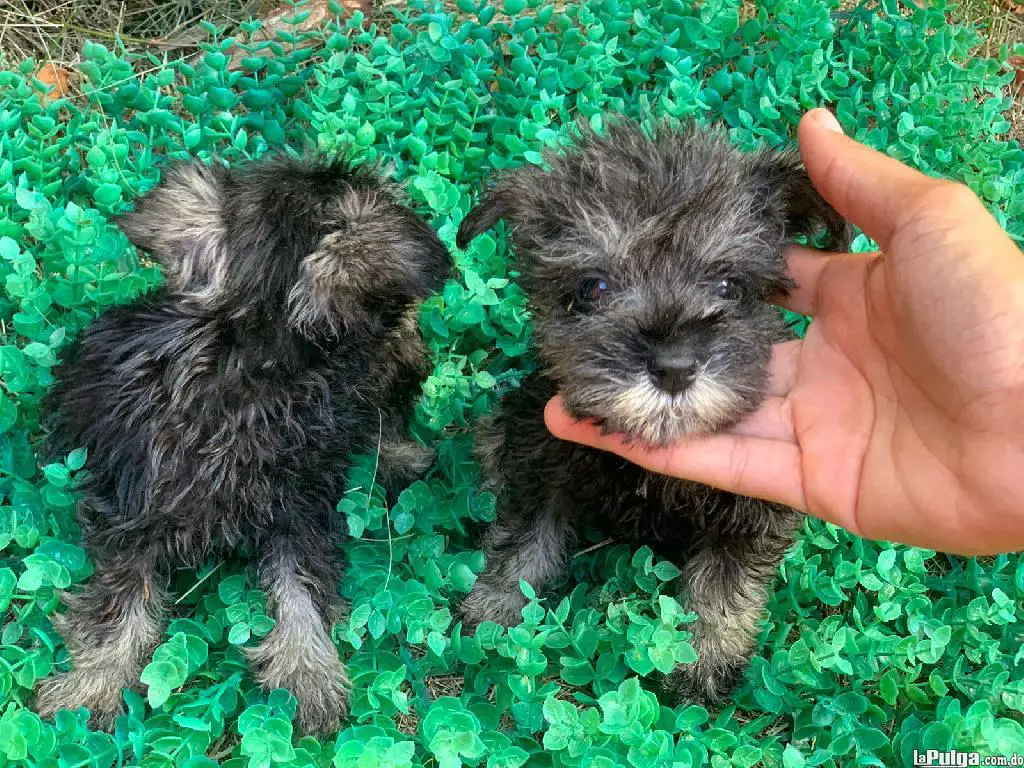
(860, 449)
(898, 409)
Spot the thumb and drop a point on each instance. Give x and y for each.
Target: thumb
(866, 187)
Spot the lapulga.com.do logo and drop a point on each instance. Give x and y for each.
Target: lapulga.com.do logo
(954, 759)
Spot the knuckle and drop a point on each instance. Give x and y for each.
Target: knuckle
(950, 196)
(940, 205)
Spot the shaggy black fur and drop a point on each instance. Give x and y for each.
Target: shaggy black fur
(220, 411)
(648, 262)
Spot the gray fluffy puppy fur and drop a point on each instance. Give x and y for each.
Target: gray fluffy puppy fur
(648, 262)
(220, 411)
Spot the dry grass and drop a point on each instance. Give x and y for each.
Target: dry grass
(448, 685)
(437, 686)
(1016, 115)
(1002, 23)
(54, 30)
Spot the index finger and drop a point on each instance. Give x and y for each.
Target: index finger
(762, 468)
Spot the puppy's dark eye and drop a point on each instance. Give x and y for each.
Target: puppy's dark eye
(589, 291)
(727, 289)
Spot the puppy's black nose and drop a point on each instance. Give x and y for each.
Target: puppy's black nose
(674, 370)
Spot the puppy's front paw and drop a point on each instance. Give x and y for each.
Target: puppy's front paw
(707, 683)
(323, 703)
(309, 667)
(487, 602)
(322, 697)
(70, 690)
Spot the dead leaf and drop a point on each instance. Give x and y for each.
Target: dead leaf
(1017, 64)
(278, 21)
(56, 78)
(1013, 6)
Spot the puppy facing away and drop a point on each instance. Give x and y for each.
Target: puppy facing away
(220, 411)
(648, 262)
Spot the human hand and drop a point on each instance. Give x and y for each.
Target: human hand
(900, 415)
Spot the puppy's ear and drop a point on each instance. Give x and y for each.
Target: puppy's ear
(378, 259)
(180, 223)
(493, 206)
(782, 177)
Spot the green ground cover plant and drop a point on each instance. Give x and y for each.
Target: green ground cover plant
(869, 650)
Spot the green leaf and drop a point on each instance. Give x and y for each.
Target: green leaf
(793, 757)
(76, 459)
(108, 194)
(231, 589)
(666, 571)
(26, 198)
(8, 413)
(161, 677)
(484, 380)
(9, 249)
(239, 634)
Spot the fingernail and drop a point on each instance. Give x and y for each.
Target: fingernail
(827, 120)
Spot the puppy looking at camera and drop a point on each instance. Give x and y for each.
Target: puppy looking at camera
(648, 262)
(221, 410)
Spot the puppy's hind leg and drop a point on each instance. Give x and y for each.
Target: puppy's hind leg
(532, 546)
(726, 583)
(299, 572)
(402, 462)
(110, 627)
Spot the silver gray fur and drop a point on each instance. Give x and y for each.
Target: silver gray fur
(221, 410)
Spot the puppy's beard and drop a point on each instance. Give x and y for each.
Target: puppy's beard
(646, 414)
